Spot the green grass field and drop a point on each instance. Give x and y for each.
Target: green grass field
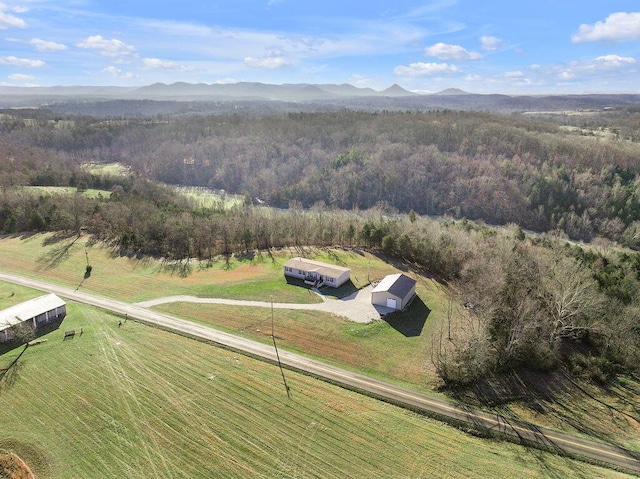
(380, 348)
(397, 349)
(107, 169)
(206, 198)
(138, 402)
(65, 190)
(131, 279)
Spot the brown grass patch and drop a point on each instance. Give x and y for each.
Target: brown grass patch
(12, 467)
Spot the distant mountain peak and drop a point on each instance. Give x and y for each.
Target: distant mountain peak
(396, 90)
(452, 91)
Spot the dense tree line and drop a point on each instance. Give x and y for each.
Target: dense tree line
(498, 168)
(535, 302)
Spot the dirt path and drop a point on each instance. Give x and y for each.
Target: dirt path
(356, 307)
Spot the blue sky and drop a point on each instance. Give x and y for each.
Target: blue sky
(490, 46)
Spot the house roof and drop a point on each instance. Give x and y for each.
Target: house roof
(324, 269)
(397, 284)
(29, 309)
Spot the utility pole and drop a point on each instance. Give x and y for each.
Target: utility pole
(273, 337)
(449, 310)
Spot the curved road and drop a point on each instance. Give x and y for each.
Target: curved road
(528, 433)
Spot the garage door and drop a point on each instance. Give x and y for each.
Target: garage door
(391, 303)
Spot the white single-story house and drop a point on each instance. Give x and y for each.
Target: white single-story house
(36, 313)
(395, 291)
(316, 273)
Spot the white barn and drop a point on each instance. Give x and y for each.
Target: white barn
(395, 291)
(316, 273)
(36, 313)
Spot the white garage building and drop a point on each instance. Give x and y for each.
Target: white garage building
(395, 291)
(36, 313)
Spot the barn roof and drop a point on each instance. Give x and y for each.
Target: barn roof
(29, 309)
(324, 269)
(397, 284)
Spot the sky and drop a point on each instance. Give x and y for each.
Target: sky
(480, 46)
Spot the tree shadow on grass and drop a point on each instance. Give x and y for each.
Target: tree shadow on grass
(41, 331)
(10, 373)
(557, 396)
(410, 322)
(58, 254)
(181, 268)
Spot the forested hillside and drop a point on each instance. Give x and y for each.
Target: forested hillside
(499, 168)
(362, 180)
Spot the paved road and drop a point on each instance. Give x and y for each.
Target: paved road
(549, 439)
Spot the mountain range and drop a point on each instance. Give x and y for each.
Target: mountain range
(301, 96)
(217, 91)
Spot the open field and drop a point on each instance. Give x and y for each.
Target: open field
(207, 198)
(64, 190)
(107, 169)
(376, 349)
(397, 350)
(137, 402)
(131, 279)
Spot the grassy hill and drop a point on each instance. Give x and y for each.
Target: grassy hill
(379, 349)
(135, 402)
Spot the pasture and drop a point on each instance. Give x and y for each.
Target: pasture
(397, 349)
(206, 198)
(63, 259)
(138, 402)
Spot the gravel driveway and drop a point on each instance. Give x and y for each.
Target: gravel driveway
(356, 307)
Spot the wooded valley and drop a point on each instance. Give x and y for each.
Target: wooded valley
(374, 180)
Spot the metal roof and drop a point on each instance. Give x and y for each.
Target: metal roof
(316, 266)
(397, 284)
(29, 309)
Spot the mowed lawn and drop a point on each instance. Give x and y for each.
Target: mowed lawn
(398, 348)
(137, 402)
(64, 260)
(376, 349)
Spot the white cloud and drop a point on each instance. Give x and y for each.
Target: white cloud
(514, 74)
(7, 20)
(21, 62)
(225, 81)
(267, 63)
(444, 51)
(46, 46)
(606, 63)
(116, 72)
(425, 69)
(360, 80)
(21, 77)
(615, 61)
(490, 43)
(618, 27)
(473, 77)
(158, 64)
(106, 47)
(596, 69)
